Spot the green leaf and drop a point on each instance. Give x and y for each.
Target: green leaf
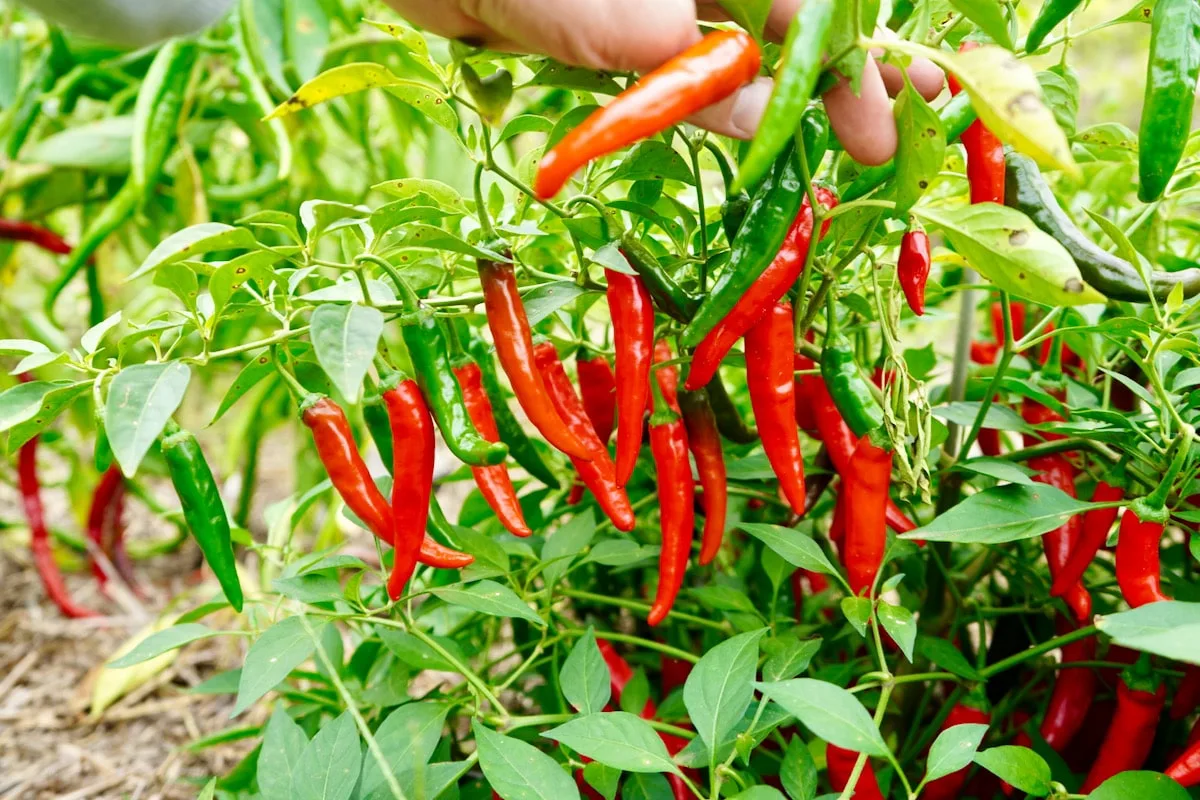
(258, 367)
(416, 654)
(646, 786)
(750, 14)
(491, 598)
(445, 196)
(793, 546)
(759, 793)
(900, 624)
(921, 145)
(566, 543)
(1139, 784)
(329, 768)
(306, 35)
(428, 101)
(195, 241)
(721, 686)
(102, 146)
(1004, 246)
(336, 82)
(93, 336)
(857, 611)
(564, 76)
(140, 400)
(963, 412)
(830, 712)
(1002, 514)
(616, 738)
(798, 772)
(999, 469)
(620, 553)
(788, 656)
(163, 641)
(954, 749)
(345, 339)
(27, 409)
(652, 161)
(584, 676)
(1019, 766)
(548, 298)
(603, 779)
(284, 646)
(946, 656)
(407, 738)
(989, 16)
(696, 753)
(1164, 629)
(519, 771)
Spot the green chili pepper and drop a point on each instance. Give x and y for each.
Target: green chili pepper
(771, 213)
(118, 211)
(814, 132)
(159, 104)
(729, 420)
(794, 83)
(1052, 13)
(1171, 77)
(1027, 191)
(670, 298)
(202, 507)
(27, 106)
(375, 415)
(244, 66)
(849, 389)
(491, 94)
(957, 115)
(520, 446)
(733, 214)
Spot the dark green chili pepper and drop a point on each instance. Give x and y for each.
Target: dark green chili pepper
(1052, 13)
(491, 94)
(431, 366)
(771, 213)
(670, 298)
(159, 104)
(202, 507)
(849, 389)
(116, 213)
(814, 132)
(1114, 277)
(1173, 68)
(733, 214)
(957, 115)
(729, 421)
(794, 83)
(375, 415)
(520, 446)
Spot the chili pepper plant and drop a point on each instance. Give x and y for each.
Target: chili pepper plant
(624, 459)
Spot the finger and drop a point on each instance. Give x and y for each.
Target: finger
(863, 123)
(445, 19)
(601, 34)
(927, 78)
(739, 114)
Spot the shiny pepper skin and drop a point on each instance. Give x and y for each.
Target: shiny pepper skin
(912, 269)
(676, 495)
(598, 389)
(1130, 736)
(841, 764)
(1138, 571)
(633, 338)
(985, 154)
(769, 346)
(1060, 543)
(1072, 695)
(704, 440)
(865, 490)
(412, 478)
(1187, 696)
(1094, 532)
(705, 73)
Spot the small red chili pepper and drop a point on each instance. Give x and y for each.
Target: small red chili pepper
(598, 389)
(1187, 696)
(494, 482)
(513, 340)
(865, 491)
(1185, 770)
(817, 583)
(1096, 525)
(806, 417)
(1072, 695)
(841, 765)
(704, 440)
(772, 285)
(632, 314)
(1130, 736)
(773, 397)
(985, 153)
(1138, 571)
(412, 478)
(912, 268)
(120, 556)
(676, 493)
(99, 516)
(949, 787)
(705, 73)
(1060, 543)
(598, 472)
(20, 231)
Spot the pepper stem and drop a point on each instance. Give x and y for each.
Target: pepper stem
(1153, 506)
(289, 380)
(485, 222)
(407, 295)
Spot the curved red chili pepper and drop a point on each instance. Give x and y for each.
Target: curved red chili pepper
(772, 285)
(949, 787)
(865, 492)
(1060, 543)
(412, 478)
(1187, 696)
(806, 417)
(1185, 770)
(494, 482)
(1072, 695)
(704, 440)
(985, 153)
(513, 341)
(1094, 532)
(676, 494)
(99, 515)
(773, 397)
(21, 231)
(119, 555)
(1129, 737)
(841, 764)
(1138, 572)
(666, 377)
(912, 268)
(598, 473)
(705, 73)
(632, 314)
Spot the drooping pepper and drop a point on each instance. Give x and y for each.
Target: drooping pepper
(1172, 70)
(985, 153)
(202, 507)
(704, 440)
(773, 397)
(412, 477)
(676, 494)
(598, 390)
(1072, 695)
(841, 765)
(912, 268)
(729, 420)
(705, 73)
(494, 482)
(865, 491)
(806, 416)
(667, 377)
(21, 231)
(1131, 733)
(105, 494)
(669, 297)
(1185, 770)
(1187, 695)
(598, 472)
(1059, 544)
(1094, 532)
(844, 381)
(949, 787)
(513, 340)
(1051, 13)
(633, 339)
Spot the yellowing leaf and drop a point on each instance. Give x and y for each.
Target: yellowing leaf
(113, 684)
(336, 82)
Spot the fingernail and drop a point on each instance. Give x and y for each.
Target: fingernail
(749, 107)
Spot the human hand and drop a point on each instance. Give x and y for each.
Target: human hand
(639, 36)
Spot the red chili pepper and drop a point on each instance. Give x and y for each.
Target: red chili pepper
(865, 490)
(773, 397)
(1067, 357)
(20, 231)
(1072, 695)
(806, 417)
(352, 480)
(817, 583)
(1096, 525)
(674, 671)
(948, 787)
(705, 73)
(494, 482)
(1187, 696)
(1016, 311)
(513, 341)
(985, 154)
(841, 765)
(837, 524)
(598, 473)
(99, 516)
(1138, 571)
(666, 377)
(1185, 770)
(119, 556)
(1060, 543)
(772, 285)
(1130, 736)
(598, 389)
(412, 477)
(632, 314)
(669, 447)
(912, 268)
(704, 440)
